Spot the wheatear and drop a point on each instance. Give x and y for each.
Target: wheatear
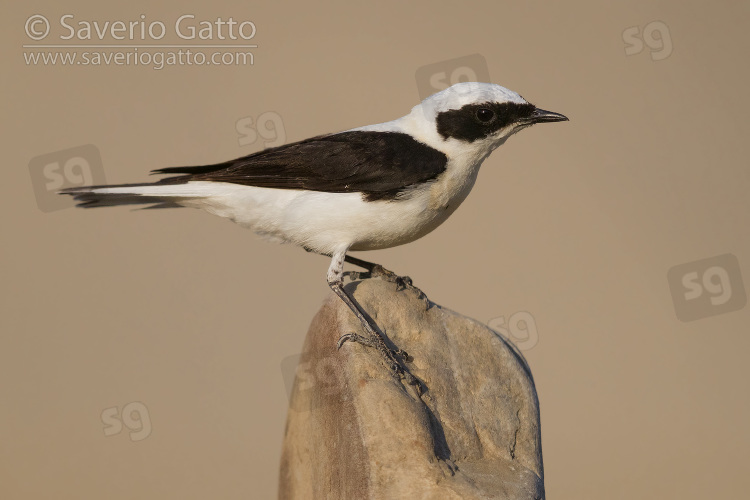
(368, 188)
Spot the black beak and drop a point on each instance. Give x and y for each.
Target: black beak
(541, 116)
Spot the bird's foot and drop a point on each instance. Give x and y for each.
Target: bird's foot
(402, 282)
(392, 357)
(353, 337)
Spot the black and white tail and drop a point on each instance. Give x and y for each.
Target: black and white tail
(169, 192)
(158, 195)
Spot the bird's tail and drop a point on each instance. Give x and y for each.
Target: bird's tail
(155, 194)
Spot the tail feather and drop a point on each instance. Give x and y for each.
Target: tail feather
(162, 205)
(154, 194)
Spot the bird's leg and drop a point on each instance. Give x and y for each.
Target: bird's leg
(375, 338)
(378, 271)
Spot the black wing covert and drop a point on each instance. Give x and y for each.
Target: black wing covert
(381, 165)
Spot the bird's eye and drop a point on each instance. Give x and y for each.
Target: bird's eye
(485, 115)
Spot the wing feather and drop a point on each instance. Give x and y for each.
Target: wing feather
(379, 164)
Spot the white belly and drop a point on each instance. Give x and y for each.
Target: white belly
(327, 222)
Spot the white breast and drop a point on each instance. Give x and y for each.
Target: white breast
(327, 222)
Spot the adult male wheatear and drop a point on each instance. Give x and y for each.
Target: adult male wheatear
(368, 188)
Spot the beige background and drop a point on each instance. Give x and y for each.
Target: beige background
(576, 223)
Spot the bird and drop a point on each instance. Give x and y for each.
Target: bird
(367, 188)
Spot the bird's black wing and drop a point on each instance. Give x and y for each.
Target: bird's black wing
(379, 164)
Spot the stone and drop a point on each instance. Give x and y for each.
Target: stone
(356, 432)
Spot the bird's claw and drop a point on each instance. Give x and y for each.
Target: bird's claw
(402, 282)
(353, 337)
(391, 357)
(394, 354)
(404, 355)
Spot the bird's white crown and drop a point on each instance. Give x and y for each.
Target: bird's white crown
(461, 94)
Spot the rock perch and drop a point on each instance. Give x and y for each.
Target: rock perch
(354, 432)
